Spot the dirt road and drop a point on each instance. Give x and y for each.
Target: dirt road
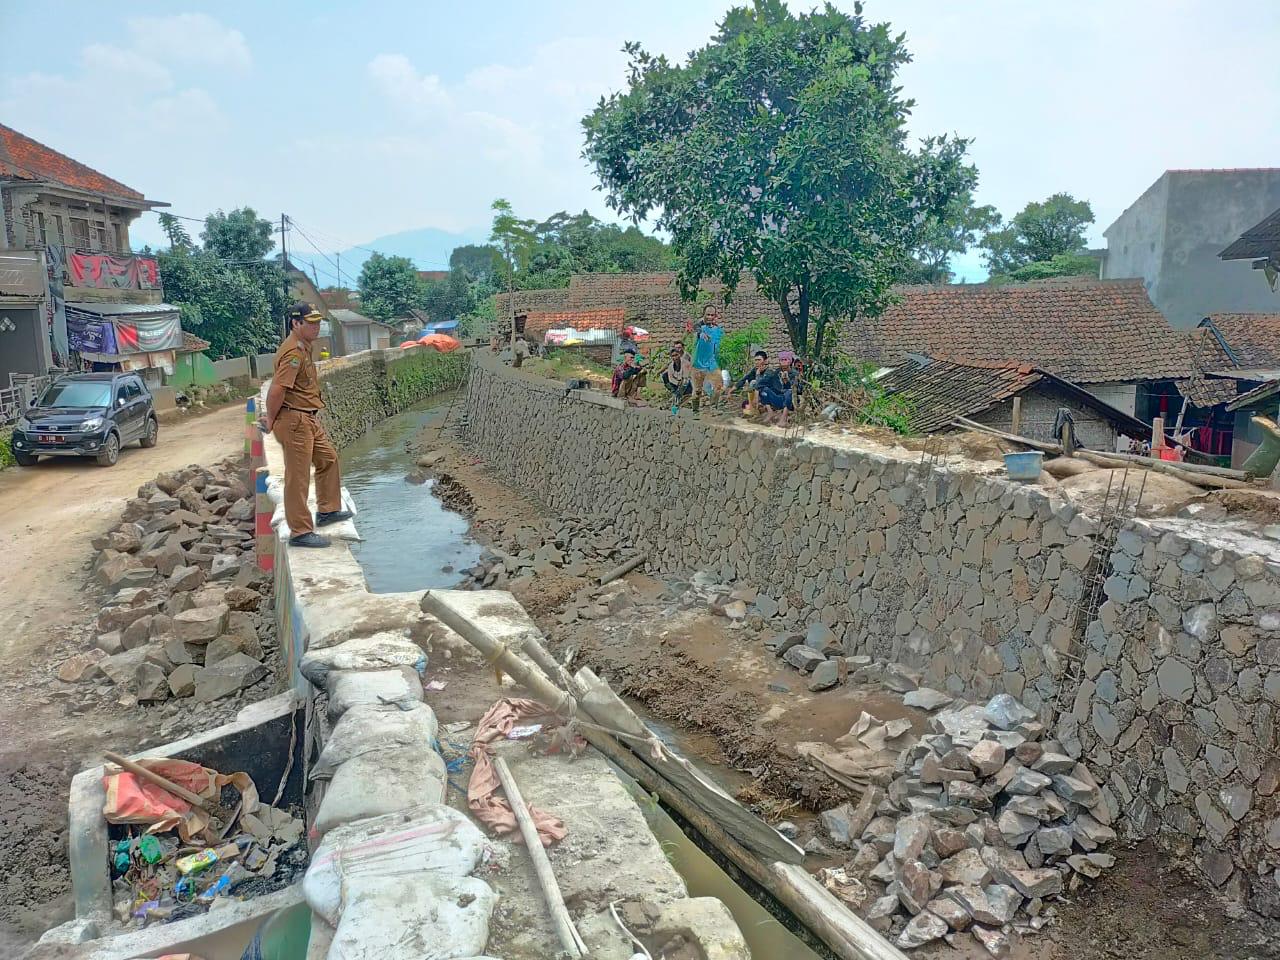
(48, 729)
(49, 513)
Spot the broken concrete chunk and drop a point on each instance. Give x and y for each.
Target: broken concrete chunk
(951, 913)
(916, 885)
(911, 836)
(1026, 782)
(227, 677)
(820, 637)
(923, 928)
(1004, 901)
(151, 683)
(966, 869)
(995, 942)
(803, 658)
(987, 757)
(1007, 713)
(825, 676)
(926, 698)
(200, 624)
(182, 680)
(82, 666)
(1044, 882)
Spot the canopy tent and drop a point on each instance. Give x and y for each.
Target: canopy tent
(438, 326)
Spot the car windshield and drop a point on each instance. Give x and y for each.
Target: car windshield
(77, 393)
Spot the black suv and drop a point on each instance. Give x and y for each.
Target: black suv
(86, 415)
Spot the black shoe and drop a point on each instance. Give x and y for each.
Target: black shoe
(333, 516)
(309, 539)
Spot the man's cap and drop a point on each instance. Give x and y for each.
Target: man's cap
(786, 355)
(301, 310)
(630, 351)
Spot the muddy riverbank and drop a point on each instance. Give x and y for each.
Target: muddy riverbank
(731, 703)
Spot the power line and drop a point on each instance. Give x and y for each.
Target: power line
(338, 241)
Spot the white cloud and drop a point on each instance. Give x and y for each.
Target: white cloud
(421, 94)
(191, 38)
(124, 66)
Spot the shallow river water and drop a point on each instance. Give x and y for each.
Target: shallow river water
(411, 542)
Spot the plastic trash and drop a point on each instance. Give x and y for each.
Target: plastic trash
(196, 862)
(150, 849)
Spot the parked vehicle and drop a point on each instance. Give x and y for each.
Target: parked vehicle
(86, 415)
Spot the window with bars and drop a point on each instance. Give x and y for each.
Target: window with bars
(80, 233)
(101, 237)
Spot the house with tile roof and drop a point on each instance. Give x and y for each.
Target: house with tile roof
(1173, 235)
(1238, 364)
(64, 239)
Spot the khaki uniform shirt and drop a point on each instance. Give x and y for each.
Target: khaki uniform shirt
(296, 372)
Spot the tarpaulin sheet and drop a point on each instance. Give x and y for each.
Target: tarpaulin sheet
(87, 333)
(106, 272)
(484, 796)
(131, 799)
(143, 336)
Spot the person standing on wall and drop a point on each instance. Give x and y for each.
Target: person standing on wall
(706, 355)
(293, 416)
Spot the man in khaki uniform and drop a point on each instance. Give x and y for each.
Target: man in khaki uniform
(293, 416)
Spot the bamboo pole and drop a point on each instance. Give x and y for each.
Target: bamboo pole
(622, 569)
(560, 919)
(1199, 474)
(139, 770)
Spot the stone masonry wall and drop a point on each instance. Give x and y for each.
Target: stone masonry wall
(1166, 678)
(368, 387)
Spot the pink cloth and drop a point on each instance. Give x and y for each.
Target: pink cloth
(484, 792)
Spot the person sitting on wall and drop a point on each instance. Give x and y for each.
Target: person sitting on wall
(750, 381)
(778, 389)
(628, 376)
(676, 378)
(625, 342)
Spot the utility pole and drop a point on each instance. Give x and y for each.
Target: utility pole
(338, 262)
(284, 270)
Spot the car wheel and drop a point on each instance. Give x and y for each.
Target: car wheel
(151, 434)
(110, 451)
(24, 459)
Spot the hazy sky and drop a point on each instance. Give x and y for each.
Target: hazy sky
(363, 120)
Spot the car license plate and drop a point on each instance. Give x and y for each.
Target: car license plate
(56, 438)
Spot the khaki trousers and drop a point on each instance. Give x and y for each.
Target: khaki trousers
(306, 445)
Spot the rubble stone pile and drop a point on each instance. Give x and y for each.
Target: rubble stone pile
(187, 612)
(984, 823)
(573, 547)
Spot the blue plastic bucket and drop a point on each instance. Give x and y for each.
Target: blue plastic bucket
(1024, 466)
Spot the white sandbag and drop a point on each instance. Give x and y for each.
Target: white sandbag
(378, 652)
(425, 839)
(344, 530)
(428, 918)
(397, 687)
(364, 729)
(385, 781)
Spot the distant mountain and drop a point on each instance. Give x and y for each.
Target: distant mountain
(427, 247)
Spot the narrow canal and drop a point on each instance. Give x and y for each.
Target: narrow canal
(411, 542)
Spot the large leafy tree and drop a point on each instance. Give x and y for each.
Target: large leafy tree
(953, 231)
(447, 299)
(240, 235)
(389, 286)
(479, 261)
(1039, 233)
(236, 307)
(780, 149)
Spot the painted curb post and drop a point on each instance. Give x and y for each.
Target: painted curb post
(264, 509)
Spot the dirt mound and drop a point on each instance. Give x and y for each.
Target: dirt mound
(1260, 506)
(1064, 467)
(1143, 492)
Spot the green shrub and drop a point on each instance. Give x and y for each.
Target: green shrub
(6, 454)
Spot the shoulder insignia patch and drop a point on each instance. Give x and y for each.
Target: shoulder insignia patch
(295, 362)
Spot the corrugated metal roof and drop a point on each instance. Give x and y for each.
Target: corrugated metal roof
(123, 309)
